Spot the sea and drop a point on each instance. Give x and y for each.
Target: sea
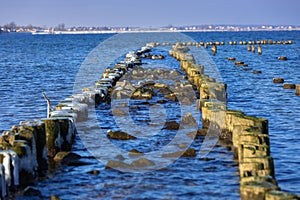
(33, 64)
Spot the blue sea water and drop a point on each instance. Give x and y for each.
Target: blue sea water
(31, 64)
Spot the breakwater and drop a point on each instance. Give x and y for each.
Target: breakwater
(248, 134)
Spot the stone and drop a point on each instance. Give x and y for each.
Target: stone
(171, 125)
(202, 132)
(119, 135)
(68, 158)
(120, 157)
(185, 153)
(257, 72)
(189, 153)
(183, 145)
(54, 197)
(119, 112)
(280, 195)
(171, 97)
(94, 172)
(115, 164)
(161, 101)
(142, 162)
(189, 120)
(134, 152)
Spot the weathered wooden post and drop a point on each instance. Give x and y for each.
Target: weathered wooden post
(298, 89)
(259, 50)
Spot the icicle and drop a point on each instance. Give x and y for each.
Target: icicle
(15, 164)
(6, 165)
(2, 181)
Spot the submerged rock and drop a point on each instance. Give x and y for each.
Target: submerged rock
(119, 135)
(198, 133)
(142, 162)
(65, 156)
(187, 153)
(68, 158)
(115, 164)
(134, 152)
(172, 125)
(189, 120)
(54, 197)
(94, 172)
(119, 112)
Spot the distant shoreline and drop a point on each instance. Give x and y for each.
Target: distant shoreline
(45, 32)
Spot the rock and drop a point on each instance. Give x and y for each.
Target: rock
(54, 197)
(142, 162)
(172, 125)
(69, 158)
(66, 156)
(257, 72)
(187, 153)
(161, 101)
(134, 152)
(120, 157)
(278, 80)
(280, 195)
(189, 120)
(31, 191)
(171, 97)
(186, 101)
(289, 86)
(199, 133)
(94, 172)
(119, 135)
(160, 85)
(183, 145)
(207, 159)
(282, 58)
(119, 112)
(202, 132)
(115, 164)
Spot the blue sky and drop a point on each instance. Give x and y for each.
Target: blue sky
(149, 13)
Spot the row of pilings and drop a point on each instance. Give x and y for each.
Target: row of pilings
(33, 148)
(30, 149)
(247, 134)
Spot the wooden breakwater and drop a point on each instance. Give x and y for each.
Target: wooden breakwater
(29, 149)
(248, 134)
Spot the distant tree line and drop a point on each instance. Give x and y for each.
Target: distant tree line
(13, 27)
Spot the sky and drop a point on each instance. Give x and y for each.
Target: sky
(149, 13)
